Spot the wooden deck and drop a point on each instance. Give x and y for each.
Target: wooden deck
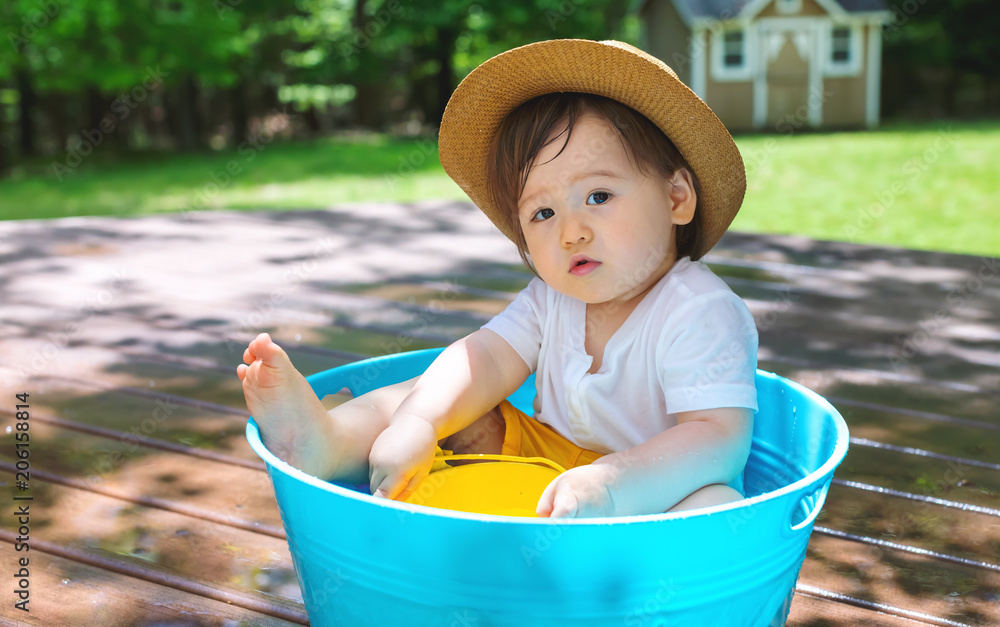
(149, 508)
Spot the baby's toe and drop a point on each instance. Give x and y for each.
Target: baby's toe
(265, 349)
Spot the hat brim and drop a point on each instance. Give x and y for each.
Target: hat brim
(607, 68)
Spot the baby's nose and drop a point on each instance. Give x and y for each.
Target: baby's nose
(575, 231)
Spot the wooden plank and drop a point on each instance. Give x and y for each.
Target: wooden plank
(924, 525)
(931, 477)
(949, 591)
(175, 546)
(66, 591)
(122, 468)
(810, 611)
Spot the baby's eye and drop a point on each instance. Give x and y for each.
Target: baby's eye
(548, 213)
(599, 198)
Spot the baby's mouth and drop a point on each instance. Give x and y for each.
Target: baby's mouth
(581, 265)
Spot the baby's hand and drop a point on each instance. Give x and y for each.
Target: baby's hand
(401, 457)
(582, 492)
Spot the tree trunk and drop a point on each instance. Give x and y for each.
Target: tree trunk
(52, 107)
(4, 159)
(27, 105)
(363, 106)
(95, 108)
(188, 125)
(950, 89)
(241, 120)
(445, 79)
(311, 118)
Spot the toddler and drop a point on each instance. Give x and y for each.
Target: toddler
(613, 179)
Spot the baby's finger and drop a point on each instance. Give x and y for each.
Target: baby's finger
(375, 479)
(544, 507)
(241, 371)
(564, 505)
(248, 356)
(390, 486)
(411, 486)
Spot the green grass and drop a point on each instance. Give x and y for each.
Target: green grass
(930, 187)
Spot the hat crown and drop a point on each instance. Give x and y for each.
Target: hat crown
(612, 69)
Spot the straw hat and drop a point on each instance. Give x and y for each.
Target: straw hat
(607, 68)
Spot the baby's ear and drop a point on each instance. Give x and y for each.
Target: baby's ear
(683, 196)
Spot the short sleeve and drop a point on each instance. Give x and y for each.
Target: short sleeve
(707, 355)
(520, 324)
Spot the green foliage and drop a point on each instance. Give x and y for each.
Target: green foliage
(69, 45)
(939, 34)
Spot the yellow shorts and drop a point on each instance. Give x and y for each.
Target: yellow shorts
(526, 437)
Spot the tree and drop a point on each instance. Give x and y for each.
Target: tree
(955, 39)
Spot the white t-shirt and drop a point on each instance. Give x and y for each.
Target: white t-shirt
(690, 344)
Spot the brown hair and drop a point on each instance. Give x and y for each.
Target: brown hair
(526, 130)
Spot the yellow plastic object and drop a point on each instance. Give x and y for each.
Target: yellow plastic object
(509, 486)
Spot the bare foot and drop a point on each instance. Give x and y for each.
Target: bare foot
(293, 423)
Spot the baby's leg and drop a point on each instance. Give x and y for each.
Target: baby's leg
(335, 444)
(293, 423)
(715, 494)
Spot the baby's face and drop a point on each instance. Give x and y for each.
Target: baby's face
(589, 204)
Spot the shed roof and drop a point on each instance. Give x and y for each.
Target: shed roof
(723, 9)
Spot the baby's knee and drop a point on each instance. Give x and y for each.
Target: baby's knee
(715, 494)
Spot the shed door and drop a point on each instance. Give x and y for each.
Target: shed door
(786, 51)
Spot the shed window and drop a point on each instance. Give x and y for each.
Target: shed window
(733, 54)
(840, 45)
(789, 6)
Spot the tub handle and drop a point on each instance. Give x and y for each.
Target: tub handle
(820, 493)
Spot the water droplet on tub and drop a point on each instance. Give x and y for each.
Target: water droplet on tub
(298, 337)
(9, 429)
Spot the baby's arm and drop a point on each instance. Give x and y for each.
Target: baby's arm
(706, 447)
(468, 379)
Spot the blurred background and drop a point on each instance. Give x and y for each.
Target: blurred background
(125, 107)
